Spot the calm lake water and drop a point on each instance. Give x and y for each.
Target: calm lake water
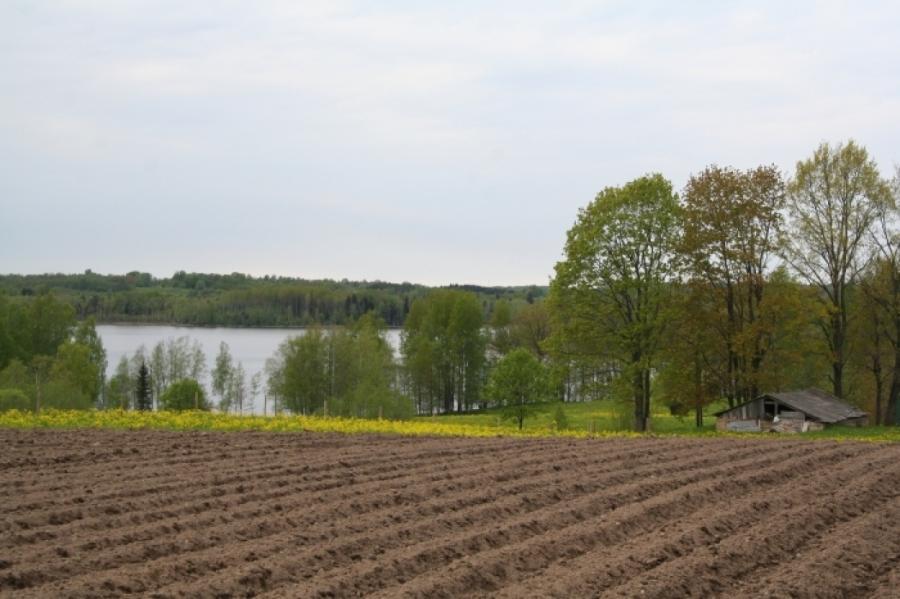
(251, 347)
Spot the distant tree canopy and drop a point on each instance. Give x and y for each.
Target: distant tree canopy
(238, 299)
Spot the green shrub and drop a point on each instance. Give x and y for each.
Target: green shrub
(560, 418)
(14, 399)
(186, 394)
(62, 395)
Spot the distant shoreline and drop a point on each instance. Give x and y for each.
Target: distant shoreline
(226, 326)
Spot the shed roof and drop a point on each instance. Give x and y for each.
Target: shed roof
(819, 404)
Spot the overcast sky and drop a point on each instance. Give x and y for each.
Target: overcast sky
(402, 141)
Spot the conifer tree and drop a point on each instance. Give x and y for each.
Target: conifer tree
(143, 397)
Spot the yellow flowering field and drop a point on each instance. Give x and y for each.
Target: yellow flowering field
(200, 420)
(447, 427)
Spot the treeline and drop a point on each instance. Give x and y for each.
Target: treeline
(237, 299)
(452, 359)
(745, 282)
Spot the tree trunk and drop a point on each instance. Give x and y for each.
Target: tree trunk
(640, 415)
(448, 396)
(646, 399)
(837, 378)
(37, 396)
(698, 392)
(730, 392)
(838, 338)
(879, 388)
(891, 417)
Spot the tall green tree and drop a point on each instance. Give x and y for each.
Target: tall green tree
(159, 376)
(222, 371)
(833, 200)
(49, 323)
(303, 378)
(364, 363)
(237, 389)
(120, 388)
(610, 290)
(74, 367)
(86, 335)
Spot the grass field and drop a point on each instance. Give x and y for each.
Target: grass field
(585, 419)
(582, 416)
(601, 417)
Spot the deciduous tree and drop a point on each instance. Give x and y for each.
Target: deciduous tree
(732, 225)
(518, 383)
(610, 290)
(444, 351)
(833, 199)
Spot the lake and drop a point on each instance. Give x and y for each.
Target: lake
(250, 347)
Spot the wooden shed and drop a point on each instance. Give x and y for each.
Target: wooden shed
(790, 411)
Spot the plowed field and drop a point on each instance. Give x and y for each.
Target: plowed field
(108, 513)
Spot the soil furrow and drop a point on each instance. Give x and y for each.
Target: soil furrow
(566, 517)
(203, 488)
(260, 511)
(719, 569)
(495, 567)
(205, 562)
(199, 514)
(207, 471)
(852, 560)
(604, 567)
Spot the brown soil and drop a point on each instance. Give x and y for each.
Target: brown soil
(111, 513)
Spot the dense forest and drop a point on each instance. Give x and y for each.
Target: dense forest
(744, 282)
(203, 299)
